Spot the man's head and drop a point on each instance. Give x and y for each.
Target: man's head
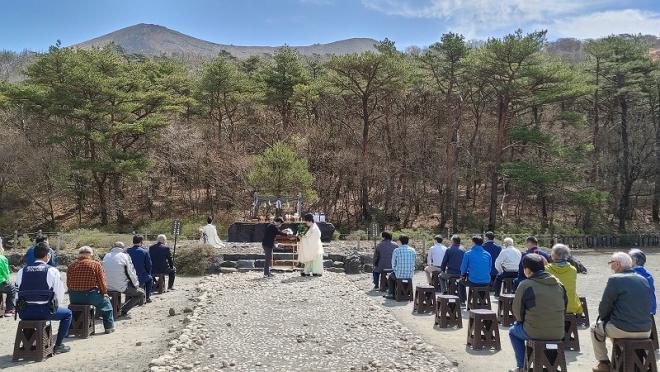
(638, 256)
(477, 240)
(162, 239)
(531, 242)
(456, 239)
(41, 239)
(620, 262)
(118, 245)
(438, 238)
(386, 235)
(85, 251)
(490, 235)
(560, 252)
(278, 221)
(508, 242)
(137, 239)
(532, 264)
(308, 219)
(42, 252)
(209, 219)
(403, 239)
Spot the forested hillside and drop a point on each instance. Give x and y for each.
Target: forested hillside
(506, 135)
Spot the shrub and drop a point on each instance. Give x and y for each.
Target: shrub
(194, 259)
(100, 241)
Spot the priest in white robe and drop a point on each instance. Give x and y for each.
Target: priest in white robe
(310, 248)
(210, 235)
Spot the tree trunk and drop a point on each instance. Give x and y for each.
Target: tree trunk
(102, 202)
(656, 194)
(364, 182)
(502, 112)
(626, 182)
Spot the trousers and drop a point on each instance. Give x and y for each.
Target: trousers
(10, 291)
(62, 314)
(96, 299)
(600, 331)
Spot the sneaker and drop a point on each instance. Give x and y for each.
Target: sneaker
(171, 289)
(602, 366)
(59, 349)
(148, 300)
(517, 369)
(109, 330)
(10, 313)
(389, 297)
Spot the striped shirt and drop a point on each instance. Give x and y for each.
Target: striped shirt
(403, 262)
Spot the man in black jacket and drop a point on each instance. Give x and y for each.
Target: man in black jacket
(268, 243)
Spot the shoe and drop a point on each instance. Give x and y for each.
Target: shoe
(10, 313)
(317, 274)
(171, 289)
(389, 297)
(303, 274)
(109, 330)
(148, 301)
(59, 349)
(375, 288)
(602, 366)
(517, 369)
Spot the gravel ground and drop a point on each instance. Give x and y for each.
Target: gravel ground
(139, 338)
(246, 323)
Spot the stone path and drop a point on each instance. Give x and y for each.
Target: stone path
(244, 322)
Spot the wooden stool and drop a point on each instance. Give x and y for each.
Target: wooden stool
(403, 290)
(424, 299)
(507, 286)
(82, 321)
(583, 319)
(452, 286)
(435, 279)
(159, 279)
(654, 334)
(571, 337)
(544, 356)
(448, 312)
(34, 340)
(115, 300)
(483, 331)
(479, 298)
(505, 309)
(633, 355)
(383, 280)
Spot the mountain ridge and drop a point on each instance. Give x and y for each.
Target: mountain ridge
(155, 40)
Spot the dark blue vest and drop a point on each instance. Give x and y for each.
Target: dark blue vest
(34, 285)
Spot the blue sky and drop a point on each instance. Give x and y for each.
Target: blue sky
(36, 24)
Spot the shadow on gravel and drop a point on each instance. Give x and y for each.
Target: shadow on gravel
(298, 279)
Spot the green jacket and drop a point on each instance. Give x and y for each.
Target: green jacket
(4, 269)
(540, 304)
(567, 275)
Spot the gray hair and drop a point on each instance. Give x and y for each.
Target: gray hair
(161, 238)
(638, 256)
(561, 251)
(118, 245)
(85, 249)
(508, 242)
(623, 259)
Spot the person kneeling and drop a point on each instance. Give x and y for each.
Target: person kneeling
(40, 290)
(86, 282)
(121, 277)
(539, 306)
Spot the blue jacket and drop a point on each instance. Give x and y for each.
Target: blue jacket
(537, 250)
(494, 251)
(161, 258)
(476, 264)
(142, 262)
(29, 257)
(647, 275)
(451, 263)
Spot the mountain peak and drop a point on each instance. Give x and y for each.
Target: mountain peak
(156, 40)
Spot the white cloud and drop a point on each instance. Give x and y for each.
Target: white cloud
(484, 18)
(599, 24)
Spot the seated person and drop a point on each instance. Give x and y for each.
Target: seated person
(624, 309)
(494, 250)
(29, 255)
(451, 263)
(403, 264)
(383, 257)
(40, 290)
(567, 275)
(86, 282)
(121, 277)
(434, 259)
(506, 264)
(639, 260)
(6, 286)
(538, 307)
(161, 260)
(142, 263)
(475, 267)
(532, 245)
